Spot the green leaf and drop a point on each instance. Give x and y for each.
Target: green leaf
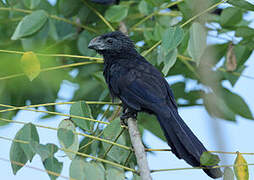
(83, 170)
(22, 152)
(228, 174)
(158, 32)
(30, 24)
(242, 4)
(244, 31)
(28, 133)
(236, 104)
(172, 37)
(12, 2)
(215, 106)
(68, 8)
(242, 54)
(116, 13)
(71, 143)
(18, 155)
(144, 8)
(66, 136)
(112, 130)
(83, 41)
(53, 165)
(241, 168)
(114, 173)
(82, 109)
(45, 151)
(151, 124)
(136, 177)
(31, 4)
(117, 154)
(30, 65)
(37, 40)
(169, 61)
(197, 42)
(233, 78)
(230, 16)
(209, 159)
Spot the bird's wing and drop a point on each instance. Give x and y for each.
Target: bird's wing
(141, 89)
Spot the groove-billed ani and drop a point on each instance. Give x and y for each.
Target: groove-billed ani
(141, 87)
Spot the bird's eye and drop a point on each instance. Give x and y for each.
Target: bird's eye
(110, 40)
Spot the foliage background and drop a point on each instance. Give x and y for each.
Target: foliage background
(68, 39)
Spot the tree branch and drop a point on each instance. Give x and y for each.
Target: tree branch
(139, 149)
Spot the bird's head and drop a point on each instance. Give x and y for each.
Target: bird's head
(112, 43)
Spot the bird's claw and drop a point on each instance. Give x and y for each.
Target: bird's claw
(127, 115)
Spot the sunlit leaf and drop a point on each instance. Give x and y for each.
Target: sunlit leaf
(241, 168)
(30, 65)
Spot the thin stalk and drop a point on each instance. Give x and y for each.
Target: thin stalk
(77, 133)
(56, 113)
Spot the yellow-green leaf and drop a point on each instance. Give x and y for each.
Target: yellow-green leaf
(30, 65)
(241, 168)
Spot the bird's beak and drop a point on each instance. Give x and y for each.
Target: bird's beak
(96, 44)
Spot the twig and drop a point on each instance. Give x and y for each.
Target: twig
(139, 149)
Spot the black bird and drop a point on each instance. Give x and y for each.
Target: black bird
(141, 87)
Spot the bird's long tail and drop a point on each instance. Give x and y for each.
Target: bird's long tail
(184, 144)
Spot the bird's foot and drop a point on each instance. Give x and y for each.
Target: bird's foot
(124, 117)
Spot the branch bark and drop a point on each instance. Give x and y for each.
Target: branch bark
(139, 149)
